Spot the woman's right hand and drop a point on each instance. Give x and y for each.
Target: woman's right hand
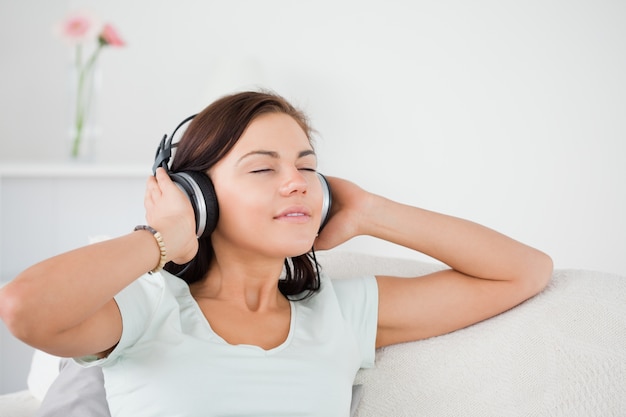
(169, 211)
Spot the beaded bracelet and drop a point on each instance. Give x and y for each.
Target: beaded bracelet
(161, 244)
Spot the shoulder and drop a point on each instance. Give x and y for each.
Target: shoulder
(150, 289)
(343, 290)
(361, 290)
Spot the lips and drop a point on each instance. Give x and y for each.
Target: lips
(294, 214)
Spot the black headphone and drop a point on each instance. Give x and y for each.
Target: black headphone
(201, 193)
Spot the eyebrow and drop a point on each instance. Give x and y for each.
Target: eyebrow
(275, 155)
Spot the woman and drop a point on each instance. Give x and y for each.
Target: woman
(244, 332)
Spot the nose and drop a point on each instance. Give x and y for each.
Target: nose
(294, 182)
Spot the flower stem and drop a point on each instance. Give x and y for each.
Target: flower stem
(83, 96)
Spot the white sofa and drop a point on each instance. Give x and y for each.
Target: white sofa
(561, 353)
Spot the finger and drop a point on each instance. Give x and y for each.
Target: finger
(152, 193)
(156, 184)
(161, 176)
(164, 182)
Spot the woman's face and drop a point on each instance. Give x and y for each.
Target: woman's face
(269, 195)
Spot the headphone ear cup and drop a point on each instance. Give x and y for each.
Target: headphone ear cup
(327, 200)
(199, 189)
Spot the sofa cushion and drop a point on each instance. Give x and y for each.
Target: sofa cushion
(76, 392)
(44, 368)
(560, 353)
(18, 404)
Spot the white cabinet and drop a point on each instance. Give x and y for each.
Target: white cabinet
(49, 209)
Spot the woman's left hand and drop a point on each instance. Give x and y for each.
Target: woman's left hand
(349, 203)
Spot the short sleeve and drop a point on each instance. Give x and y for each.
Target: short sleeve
(137, 303)
(358, 301)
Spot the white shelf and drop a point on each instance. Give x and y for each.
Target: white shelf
(73, 170)
(65, 203)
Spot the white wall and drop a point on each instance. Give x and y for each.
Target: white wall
(510, 113)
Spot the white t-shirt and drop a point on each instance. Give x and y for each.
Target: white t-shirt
(169, 362)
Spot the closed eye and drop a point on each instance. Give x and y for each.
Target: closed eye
(260, 171)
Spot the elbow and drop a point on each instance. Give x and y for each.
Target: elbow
(10, 310)
(538, 273)
(18, 317)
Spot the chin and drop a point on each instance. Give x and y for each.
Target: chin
(293, 253)
(300, 248)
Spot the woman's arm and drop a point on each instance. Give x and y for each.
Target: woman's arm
(489, 273)
(64, 305)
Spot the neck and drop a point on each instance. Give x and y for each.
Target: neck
(250, 284)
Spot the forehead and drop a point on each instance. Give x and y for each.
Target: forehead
(273, 131)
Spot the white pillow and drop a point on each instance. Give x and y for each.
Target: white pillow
(44, 368)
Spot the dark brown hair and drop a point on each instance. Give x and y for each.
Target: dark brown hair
(209, 137)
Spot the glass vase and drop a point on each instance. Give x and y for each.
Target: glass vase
(84, 130)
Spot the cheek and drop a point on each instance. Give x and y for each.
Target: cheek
(241, 209)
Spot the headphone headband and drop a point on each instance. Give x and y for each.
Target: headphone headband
(164, 151)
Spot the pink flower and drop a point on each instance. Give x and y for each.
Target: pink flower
(78, 27)
(109, 36)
